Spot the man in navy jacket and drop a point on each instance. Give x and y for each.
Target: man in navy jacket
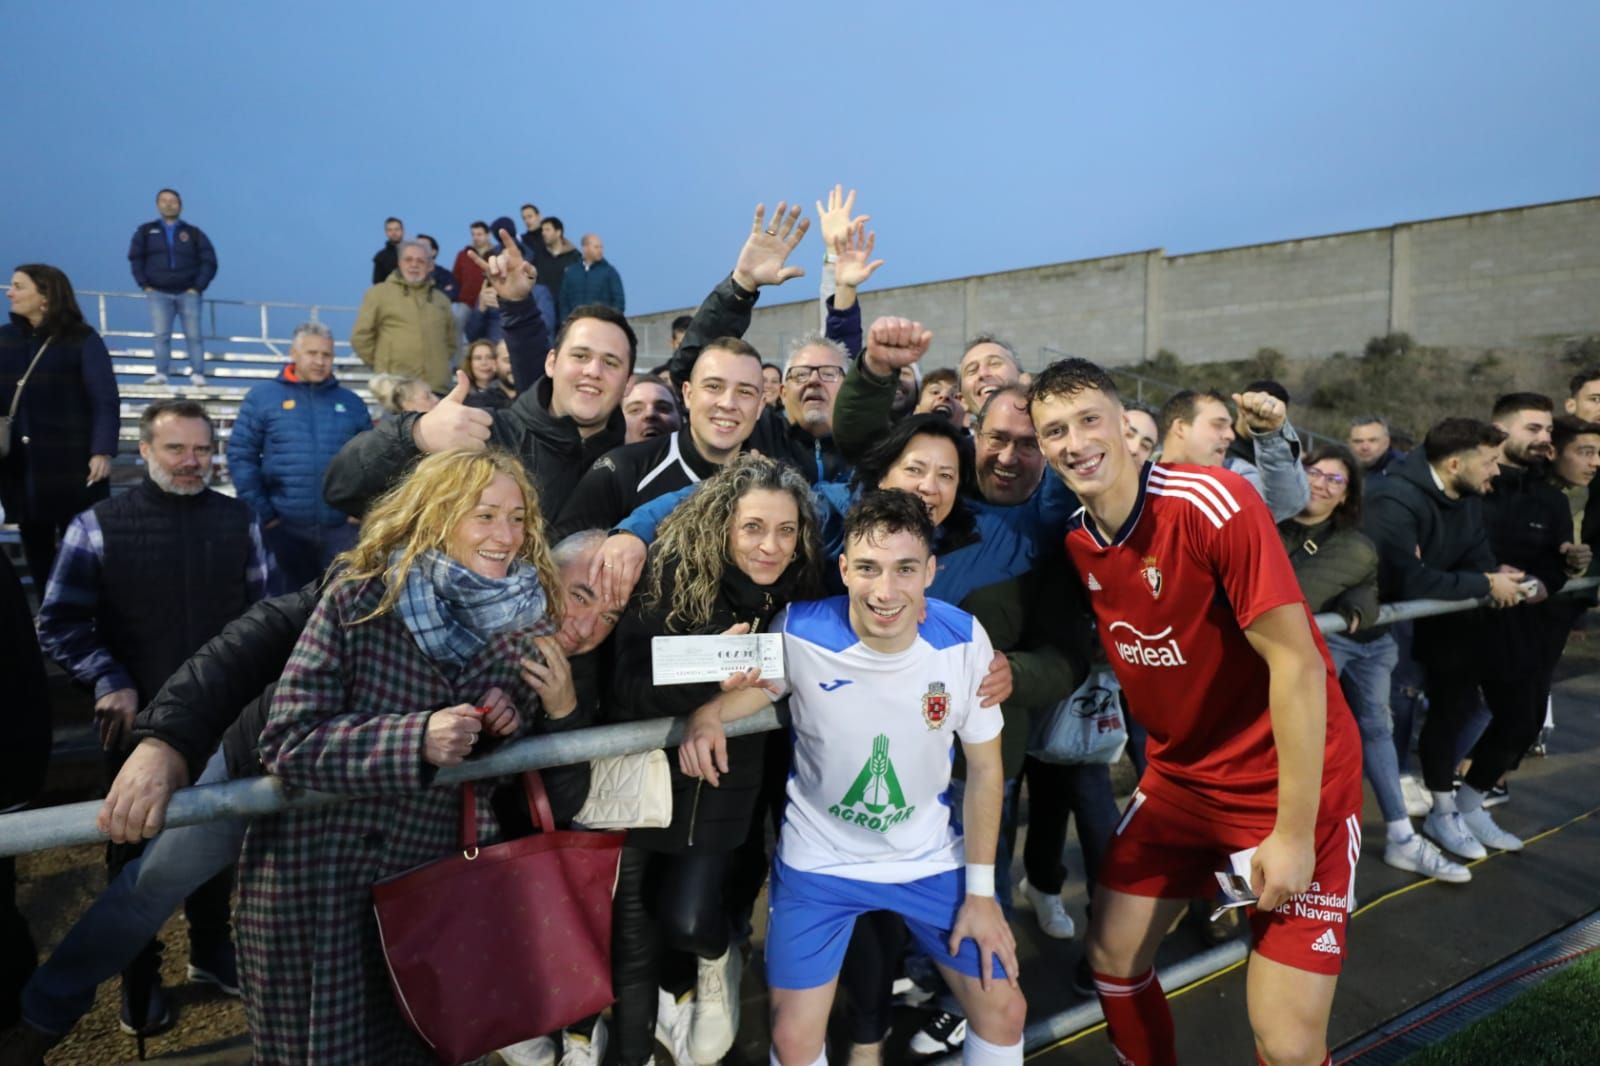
(173, 262)
(287, 432)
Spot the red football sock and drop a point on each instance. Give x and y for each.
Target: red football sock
(1138, 1019)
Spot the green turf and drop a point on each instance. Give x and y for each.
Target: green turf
(1552, 1024)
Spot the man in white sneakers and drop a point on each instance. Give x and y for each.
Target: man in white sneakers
(880, 682)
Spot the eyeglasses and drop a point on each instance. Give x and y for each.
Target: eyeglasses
(799, 375)
(999, 441)
(1335, 481)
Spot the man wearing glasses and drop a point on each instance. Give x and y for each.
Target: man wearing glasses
(811, 378)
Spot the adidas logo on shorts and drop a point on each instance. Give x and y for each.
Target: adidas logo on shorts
(1327, 943)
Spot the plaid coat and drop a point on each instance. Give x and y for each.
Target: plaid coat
(349, 716)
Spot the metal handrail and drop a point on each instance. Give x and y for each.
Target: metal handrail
(74, 823)
(208, 315)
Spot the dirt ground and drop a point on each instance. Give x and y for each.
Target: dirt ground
(53, 888)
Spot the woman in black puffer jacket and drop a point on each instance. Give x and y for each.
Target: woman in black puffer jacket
(732, 555)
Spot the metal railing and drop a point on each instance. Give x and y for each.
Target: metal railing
(262, 322)
(74, 823)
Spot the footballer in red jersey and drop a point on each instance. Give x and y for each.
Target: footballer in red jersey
(1251, 744)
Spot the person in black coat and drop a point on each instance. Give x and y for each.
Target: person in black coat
(727, 560)
(64, 432)
(22, 768)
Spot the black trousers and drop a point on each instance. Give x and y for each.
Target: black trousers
(18, 953)
(667, 912)
(1516, 713)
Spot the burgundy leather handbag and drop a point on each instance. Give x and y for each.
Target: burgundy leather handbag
(504, 943)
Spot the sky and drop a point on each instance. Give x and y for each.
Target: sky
(981, 137)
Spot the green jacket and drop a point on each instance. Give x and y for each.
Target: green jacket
(1337, 568)
(406, 329)
(861, 411)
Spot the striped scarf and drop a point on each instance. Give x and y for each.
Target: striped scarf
(453, 611)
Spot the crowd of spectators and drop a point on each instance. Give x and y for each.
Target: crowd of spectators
(532, 509)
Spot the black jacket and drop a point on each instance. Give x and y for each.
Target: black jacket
(628, 476)
(726, 313)
(26, 754)
(552, 450)
(1528, 521)
(718, 818)
(1430, 547)
(385, 262)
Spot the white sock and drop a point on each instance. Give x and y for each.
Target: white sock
(822, 1059)
(975, 1049)
(1399, 830)
(1444, 803)
(1469, 799)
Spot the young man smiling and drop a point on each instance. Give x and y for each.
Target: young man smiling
(880, 682)
(1251, 746)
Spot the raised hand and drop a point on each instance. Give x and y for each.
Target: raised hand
(893, 343)
(509, 274)
(1263, 412)
(616, 568)
(452, 424)
(136, 807)
(854, 257)
(761, 260)
(551, 679)
(835, 219)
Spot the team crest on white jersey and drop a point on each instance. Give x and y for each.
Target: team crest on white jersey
(1152, 576)
(935, 705)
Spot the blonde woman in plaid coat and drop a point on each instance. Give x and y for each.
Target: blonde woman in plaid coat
(445, 606)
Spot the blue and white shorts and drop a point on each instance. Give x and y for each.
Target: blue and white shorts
(810, 917)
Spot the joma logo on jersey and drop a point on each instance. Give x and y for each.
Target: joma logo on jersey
(875, 800)
(1147, 649)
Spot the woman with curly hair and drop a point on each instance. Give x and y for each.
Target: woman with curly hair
(727, 560)
(430, 643)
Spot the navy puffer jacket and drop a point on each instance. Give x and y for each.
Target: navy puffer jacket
(287, 433)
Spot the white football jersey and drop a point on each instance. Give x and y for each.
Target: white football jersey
(874, 738)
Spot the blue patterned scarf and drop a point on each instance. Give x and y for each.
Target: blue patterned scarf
(453, 612)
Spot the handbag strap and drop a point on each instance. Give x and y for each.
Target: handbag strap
(538, 807)
(16, 397)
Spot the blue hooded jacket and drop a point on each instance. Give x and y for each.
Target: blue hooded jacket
(287, 433)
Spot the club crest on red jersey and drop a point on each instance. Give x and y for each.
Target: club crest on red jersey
(935, 705)
(1152, 576)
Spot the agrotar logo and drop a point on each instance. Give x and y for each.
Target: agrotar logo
(1147, 649)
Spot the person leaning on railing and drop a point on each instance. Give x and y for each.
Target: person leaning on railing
(412, 657)
(1337, 567)
(63, 430)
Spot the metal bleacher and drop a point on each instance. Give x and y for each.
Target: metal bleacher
(246, 342)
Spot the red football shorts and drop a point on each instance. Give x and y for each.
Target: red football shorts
(1163, 850)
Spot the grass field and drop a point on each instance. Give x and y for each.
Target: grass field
(1556, 1023)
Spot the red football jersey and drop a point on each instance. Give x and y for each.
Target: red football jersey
(1197, 561)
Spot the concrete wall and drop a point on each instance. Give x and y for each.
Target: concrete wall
(1498, 277)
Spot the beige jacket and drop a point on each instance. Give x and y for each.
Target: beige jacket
(406, 329)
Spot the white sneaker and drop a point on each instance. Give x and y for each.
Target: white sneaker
(1448, 831)
(1481, 825)
(1419, 801)
(1418, 856)
(943, 1034)
(156, 379)
(580, 1050)
(907, 993)
(673, 1022)
(198, 380)
(1051, 912)
(716, 1007)
(540, 1051)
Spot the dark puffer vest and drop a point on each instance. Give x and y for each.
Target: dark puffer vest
(173, 576)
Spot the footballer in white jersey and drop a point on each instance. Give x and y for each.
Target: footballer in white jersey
(868, 827)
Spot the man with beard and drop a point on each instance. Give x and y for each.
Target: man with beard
(1427, 522)
(648, 409)
(170, 540)
(1198, 428)
(1527, 521)
(1584, 403)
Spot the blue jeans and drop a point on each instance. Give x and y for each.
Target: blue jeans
(118, 925)
(1365, 671)
(302, 552)
(164, 306)
(1406, 700)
